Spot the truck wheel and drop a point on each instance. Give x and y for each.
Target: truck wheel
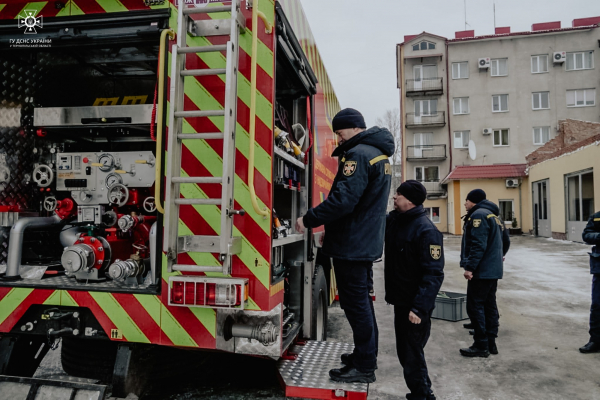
(93, 359)
(320, 294)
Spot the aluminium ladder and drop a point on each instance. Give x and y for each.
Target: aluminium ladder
(224, 244)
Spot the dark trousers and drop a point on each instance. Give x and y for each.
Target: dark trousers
(482, 310)
(595, 310)
(353, 289)
(410, 343)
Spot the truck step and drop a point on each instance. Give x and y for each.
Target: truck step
(13, 387)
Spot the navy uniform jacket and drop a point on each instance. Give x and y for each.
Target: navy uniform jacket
(591, 235)
(354, 211)
(485, 241)
(414, 261)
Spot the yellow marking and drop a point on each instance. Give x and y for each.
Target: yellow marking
(278, 287)
(106, 101)
(97, 164)
(116, 334)
(141, 162)
(596, 219)
(127, 100)
(378, 158)
(120, 171)
(491, 215)
(476, 223)
(388, 169)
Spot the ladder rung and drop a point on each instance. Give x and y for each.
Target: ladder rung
(204, 72)
(197, 179)
(202, 49)
(195, 268)
(213, 202)
(183, 136)
(206, 10)
(199, 113)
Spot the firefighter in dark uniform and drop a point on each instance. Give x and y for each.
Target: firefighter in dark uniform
(414, 272)
(591, 235)
(485, 242)
(354, 218)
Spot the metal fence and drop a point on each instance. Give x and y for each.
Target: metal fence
(437, 119)
(425, 85)
(426, 152)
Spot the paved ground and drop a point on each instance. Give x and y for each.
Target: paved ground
(544, 303)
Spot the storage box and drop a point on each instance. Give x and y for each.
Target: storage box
(451, 308)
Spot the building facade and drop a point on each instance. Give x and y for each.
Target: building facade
(502, 96)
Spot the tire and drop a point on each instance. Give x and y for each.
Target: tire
(93, 359)
(320, 302)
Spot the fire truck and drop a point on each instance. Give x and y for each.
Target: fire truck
(154, 156)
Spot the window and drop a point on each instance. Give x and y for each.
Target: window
(500, 67)
(541, 101)
(424, 45)
(541, 134)
(580, 194)
(581, 98)
(506, 210)
(433, 213)
(423, 139)
(460, 70)
(581, 60)
(427, 174)
(539, 64)
(500, 103)
(500, 137)
(461, 105)
(425, 107)
(461, 139)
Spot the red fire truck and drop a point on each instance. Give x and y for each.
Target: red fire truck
(154, 156)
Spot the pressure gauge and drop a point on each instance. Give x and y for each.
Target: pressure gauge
(113, 178)
(85, 196)
(107, 161)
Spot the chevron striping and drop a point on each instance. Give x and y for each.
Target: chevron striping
(173, 330)
(17, 302)
(67, 300)
(85, 299)
(207, 317)
(11, 301)
(54, 298)
(112, 5)
(140, 316)
(121, 319)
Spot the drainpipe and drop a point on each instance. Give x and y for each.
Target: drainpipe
(520, 204)
(449, 134)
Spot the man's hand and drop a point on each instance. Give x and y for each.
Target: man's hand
(300, 225)
(413, 318)
(468, 275)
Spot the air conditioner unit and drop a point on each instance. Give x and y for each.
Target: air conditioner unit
(559, 57)
(487, 131)
(512, 183)
(484, 63)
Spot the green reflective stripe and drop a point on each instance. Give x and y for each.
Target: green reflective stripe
(112, 5)
(151, 304)
(214, 164)
(119, 317)
(207, 317)
(54, 298)
(251, 305)
(37, 6)
(212, 216)
(11, 301)
(75, 10)
(264, 108)
(2, 6)
(67, 300)
(262, 159)
(173, 329)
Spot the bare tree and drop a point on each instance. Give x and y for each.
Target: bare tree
(391, 121)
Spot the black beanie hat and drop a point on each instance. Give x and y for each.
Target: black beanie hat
(348, 118)
(414, 191)
(476, 196)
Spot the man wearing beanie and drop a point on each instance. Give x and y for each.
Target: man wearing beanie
(414, 272)
(485, 242)
(354, 219)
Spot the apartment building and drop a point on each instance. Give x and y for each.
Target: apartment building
(502, 95)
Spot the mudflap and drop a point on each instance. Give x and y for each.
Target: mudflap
(13, 387)
(304, 372)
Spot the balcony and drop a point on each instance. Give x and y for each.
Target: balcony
(424, 87)
(427, 152)
(431, 120)
(434, 187)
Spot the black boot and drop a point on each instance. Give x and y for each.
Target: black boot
(492, 346)
(468, 326)
(474, 351)
(350, 374)
(591, 347)
(347, 358)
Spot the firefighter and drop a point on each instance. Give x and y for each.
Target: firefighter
(485, 242)
(591, 235)
(414, 272)
(354, 219)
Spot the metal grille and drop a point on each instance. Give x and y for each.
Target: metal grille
(311, 368)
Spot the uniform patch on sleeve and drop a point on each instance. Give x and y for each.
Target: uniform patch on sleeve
(388, 170)
(476, 223)
(435, 251)
(349, 168)
(596, 219)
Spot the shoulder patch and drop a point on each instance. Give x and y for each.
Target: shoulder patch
(349, 168)
(476, 223)
(596, 219)
(435, 251)
(388, 170)
(378, 158)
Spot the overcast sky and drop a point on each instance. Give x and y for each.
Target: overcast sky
(357, 38)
